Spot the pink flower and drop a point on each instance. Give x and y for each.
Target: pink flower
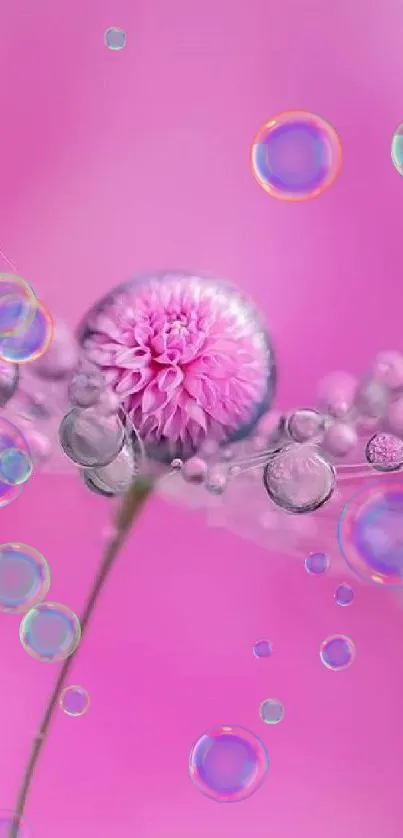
(188, 358)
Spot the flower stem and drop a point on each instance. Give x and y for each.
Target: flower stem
(127, 514)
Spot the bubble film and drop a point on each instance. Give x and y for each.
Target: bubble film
(337, 652)
(24, 577)
(296, 156)
(396, 150)
(298, 478)
(74, 700)
(317, 563)
(18, 305)
(50, 632)
(228, 764)
(271, 711)
(370, 533)
(33, 342)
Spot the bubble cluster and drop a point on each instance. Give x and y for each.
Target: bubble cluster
(18, 305)
(298, 478)
(337, 652)
(115, 38)
(50, 632)
(317, 563)
(384, 452)
(370, 533)
(344, 594)
(11, 440)
(396, 150)
(296, 156)
(33, 342)
(271, 711)
(7, 820)
(24, 577)
(262, 649)
(228, 764)
(74, 700)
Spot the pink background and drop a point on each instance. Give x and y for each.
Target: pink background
(114, 163)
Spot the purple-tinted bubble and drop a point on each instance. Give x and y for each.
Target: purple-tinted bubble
(228, 764)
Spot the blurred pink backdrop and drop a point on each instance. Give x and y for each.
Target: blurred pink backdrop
(114, 163)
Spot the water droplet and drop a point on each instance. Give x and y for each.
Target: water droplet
(305, 424)
(216, 481)
(337, 652)
(74, 700)
(317, 563)
(91, 440)
(262, 649)
(271, 711)
(228, 764)
(298, 478)
(117, 477)
(344, 595)
(50, 632)
(176, 464)
(195, 470)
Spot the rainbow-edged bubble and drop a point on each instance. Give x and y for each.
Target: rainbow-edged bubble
(50, 632)
(228, 764)
(337, 652)
(74, 700)
(271, 711)
(18, 304)
(33, 342)
(396, 150)
(11, 439)
(24, 577)
(370, 533)
(15, 466)
(296, 156)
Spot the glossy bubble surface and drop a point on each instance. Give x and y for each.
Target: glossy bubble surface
(228, 764)
(298, 478)
(7, 821)
(271, 711)
(74, 700)
(262, 649)
(344, 594)
(10, 439)
(18, 305)
(33, 342)
(115, 478)
(89, 439)
(24, 577)
(115, 38)
(317, 563)
(370, 533)
(50, 632)
(15, 466)
(296, 156)
(396, 150)
(337, 652)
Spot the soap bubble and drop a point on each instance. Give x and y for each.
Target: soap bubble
(384, 452)
(115, 38)
(33, 343)
(397, 149)
(298, 478)
(317, 563)
(7, 820)
(50, 632)
(10, 438)
(262, 649)
(344, 595)
(271, 711)
(370, 533)
(296, 156)
(74, 700)
(17, 305)
(91, 440)
(15, 466)
(337, 652)
(24, 577)
(228, 764)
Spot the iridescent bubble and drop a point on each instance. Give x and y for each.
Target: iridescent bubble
(74, 700)
(305, 424)
(317, 563)
(24, 577)
(262, 649)
(296, 156)
(7, 820)
(15, 466)
(50, 632)
(115, 478)
(271, 711)
(298, 478)
(228, 764)
(17, 305)
(384, 452)
(115, 38)
(91, 440)
(396, 150)
(10, 438)
(33, 343)
(8, 381)
(86, 386)
(344, 595)
(370, 533)
(337, 652)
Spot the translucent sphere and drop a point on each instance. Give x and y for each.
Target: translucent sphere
(194, 470)
(10, 439)
(344, 595)
(7, 820)
(33, 343)
(337, 652)
(24, 577)
(296, 156)
(90, 440)
(396, 151)
(262, 649)
(8, 381)
(298, 478)
(50, 632)
(74, 700)
(305, 424)
(15, 466)
(228, 764)
(384, 452)
(271, 711)
(370, 533)
(317, 563)
(115, 478)
(17, 305)
(115, 38)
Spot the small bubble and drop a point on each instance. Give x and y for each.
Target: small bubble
(50, 632)
(216, 482)
(337, 652)
(271, 711)
(317, 563)
(115, 38)
(15, 466)
(344, 595)
(195, 470)
(74, 700)
(262, 649)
